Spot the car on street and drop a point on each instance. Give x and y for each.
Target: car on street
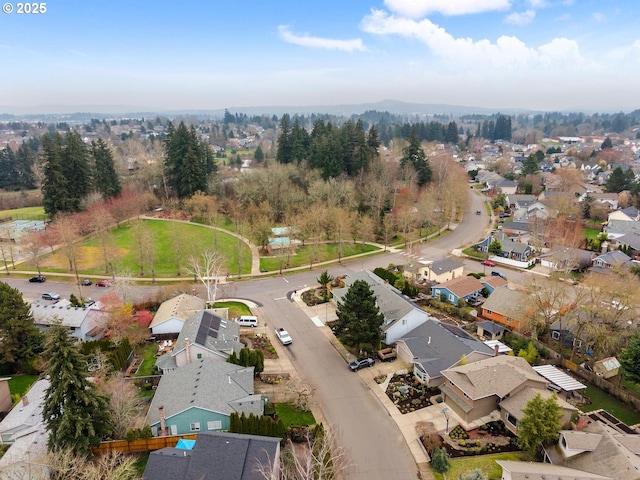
(50, 296)
(38, 279)
(489, 263)
(362, 362)
(478, 212)
(85, 282)
(103, 283)
(496, 273)
(283, 336)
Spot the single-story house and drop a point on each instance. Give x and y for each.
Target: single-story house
(632, 241)
(201, 396)
(172, 313)
(507, 307)
(612, 259)
(510, 249)
(400, 315)
(608, 199)
(489, 330)
(563, 258)
(461, 288)
(492, 282)
(216, 456)
(434, 271)
(85, 323)
(629, 214)
(435, 346)
(520, 199)
(617, 228)
(505, 383)
(205, 334)
(24, 430)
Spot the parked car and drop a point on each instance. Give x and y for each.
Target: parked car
(50, 296)
(38, 279)
(489, 263)
(362, 362)
(103, 283)
(478, 212)
(86, 282)
(496, 273)
(283, 336)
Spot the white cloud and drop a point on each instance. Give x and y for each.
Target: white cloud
(420, 8)
(318, 42)
(538, 3)
(521, 18)
(598, 17)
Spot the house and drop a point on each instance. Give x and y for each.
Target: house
(468, 289)
(205, 334)
(609, 260)
(216, 456)
(435, 346)
(607, 367)
(630, 241)
(172, 313)
(510, 308)
(617, 228)
(489, 330)
(437, 271)
(516, 470)
(400, 315)
(531, 210)
(5, 395)
(608, 199)
(510, 249)
(505, 383)
(85, 323)
(629, 214)
(567, 330)
(518, 199)
(23, 429)
(561, 258)
(598, 449)
(492, 282)
(201, 396)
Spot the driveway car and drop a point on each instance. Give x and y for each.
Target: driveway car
(362, 362)
(489, 263)
(103, 283)
(50, 296)
(283, 336)
(496, 273)
(38, 279)
(85, 282)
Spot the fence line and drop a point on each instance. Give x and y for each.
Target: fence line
(142, 444)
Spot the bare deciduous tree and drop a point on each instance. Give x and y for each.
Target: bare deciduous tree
(207, 269)
(125, 404)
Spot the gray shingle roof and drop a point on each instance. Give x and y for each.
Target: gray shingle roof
(209, 384)
(544, 471)
(516, 403)
(215, 456)
(221, 339)
(491, 327)
(445, 265)
(509, 303)
(437, 346)
(630, 239)
(621, 227)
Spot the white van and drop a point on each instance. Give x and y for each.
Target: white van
(247, 321)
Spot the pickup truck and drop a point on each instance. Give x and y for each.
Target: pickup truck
(283, 336)
(387, 354)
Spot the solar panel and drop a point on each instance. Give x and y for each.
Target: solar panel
(209, 327)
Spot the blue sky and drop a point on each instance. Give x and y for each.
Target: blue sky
(535, 54)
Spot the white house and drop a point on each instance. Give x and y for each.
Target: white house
(171, 315)
(85, 323)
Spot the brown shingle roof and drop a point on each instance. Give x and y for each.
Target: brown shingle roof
(462, 286)
(510, 303)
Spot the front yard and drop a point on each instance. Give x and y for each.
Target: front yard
(486, 463)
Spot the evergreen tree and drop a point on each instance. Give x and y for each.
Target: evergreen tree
(285, 143)
(630, 359)
(258, 155)
(359, 318)
(55, 188)
(76, 416)
(21, 340)
(540, 424)
(107, 181)
(413, 154)
(77, 169)
(440, 460)
(606, 144)
(619, 180)
(451, 135)
(530, 165)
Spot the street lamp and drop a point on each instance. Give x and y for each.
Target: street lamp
(445, 412)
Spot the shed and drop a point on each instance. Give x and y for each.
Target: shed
(607, 367)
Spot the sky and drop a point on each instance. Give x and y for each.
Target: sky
(545, 55)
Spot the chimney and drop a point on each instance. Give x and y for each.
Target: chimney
(495, 350)
(163, 423)
(25, 401)
(187, 348)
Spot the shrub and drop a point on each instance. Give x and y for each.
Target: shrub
(462, 443)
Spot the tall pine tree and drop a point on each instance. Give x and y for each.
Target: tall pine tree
(76, 416)
(55, 188)
(107, 181)
(413, 154)
(77, 169)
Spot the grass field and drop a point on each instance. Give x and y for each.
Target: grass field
(486, 463)
(615, 407)
(591, 233)
(292, 416)
(323, 252)
(17, 213)
(235, 308)
(20, 383)
(168, 238)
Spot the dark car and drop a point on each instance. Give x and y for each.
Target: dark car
(103, 283)
(38, 279)
(86, 282)
(478, 212)
(362, 362)
(496, 273)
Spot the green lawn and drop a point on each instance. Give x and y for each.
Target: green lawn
(19, 213)
(615, 407)
(20, 383)
(235, 308)
(323, 252)
(486, 463)
(148, 355)
(592, 233)
(292, 416)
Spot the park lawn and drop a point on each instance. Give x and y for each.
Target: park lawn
(20, 384)
(486, 463)
(602, 400)
(148, 354)
(323, 253)
(235, 308)
(163, 233)
(290, 415)
(19, 213)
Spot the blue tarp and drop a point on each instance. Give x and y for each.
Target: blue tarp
(185, 444)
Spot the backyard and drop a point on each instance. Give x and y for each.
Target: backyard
(486, 463)
(20, 384)
(602, 400)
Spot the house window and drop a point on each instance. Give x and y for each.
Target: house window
(194, 427)
(451, 297)
(154, 431)
(199, 356)
(436, 293)
(489, 312)
(555, 335)
(512, 420)
(173, 429)
(214, 425)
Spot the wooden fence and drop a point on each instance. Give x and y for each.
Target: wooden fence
(142, 444)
